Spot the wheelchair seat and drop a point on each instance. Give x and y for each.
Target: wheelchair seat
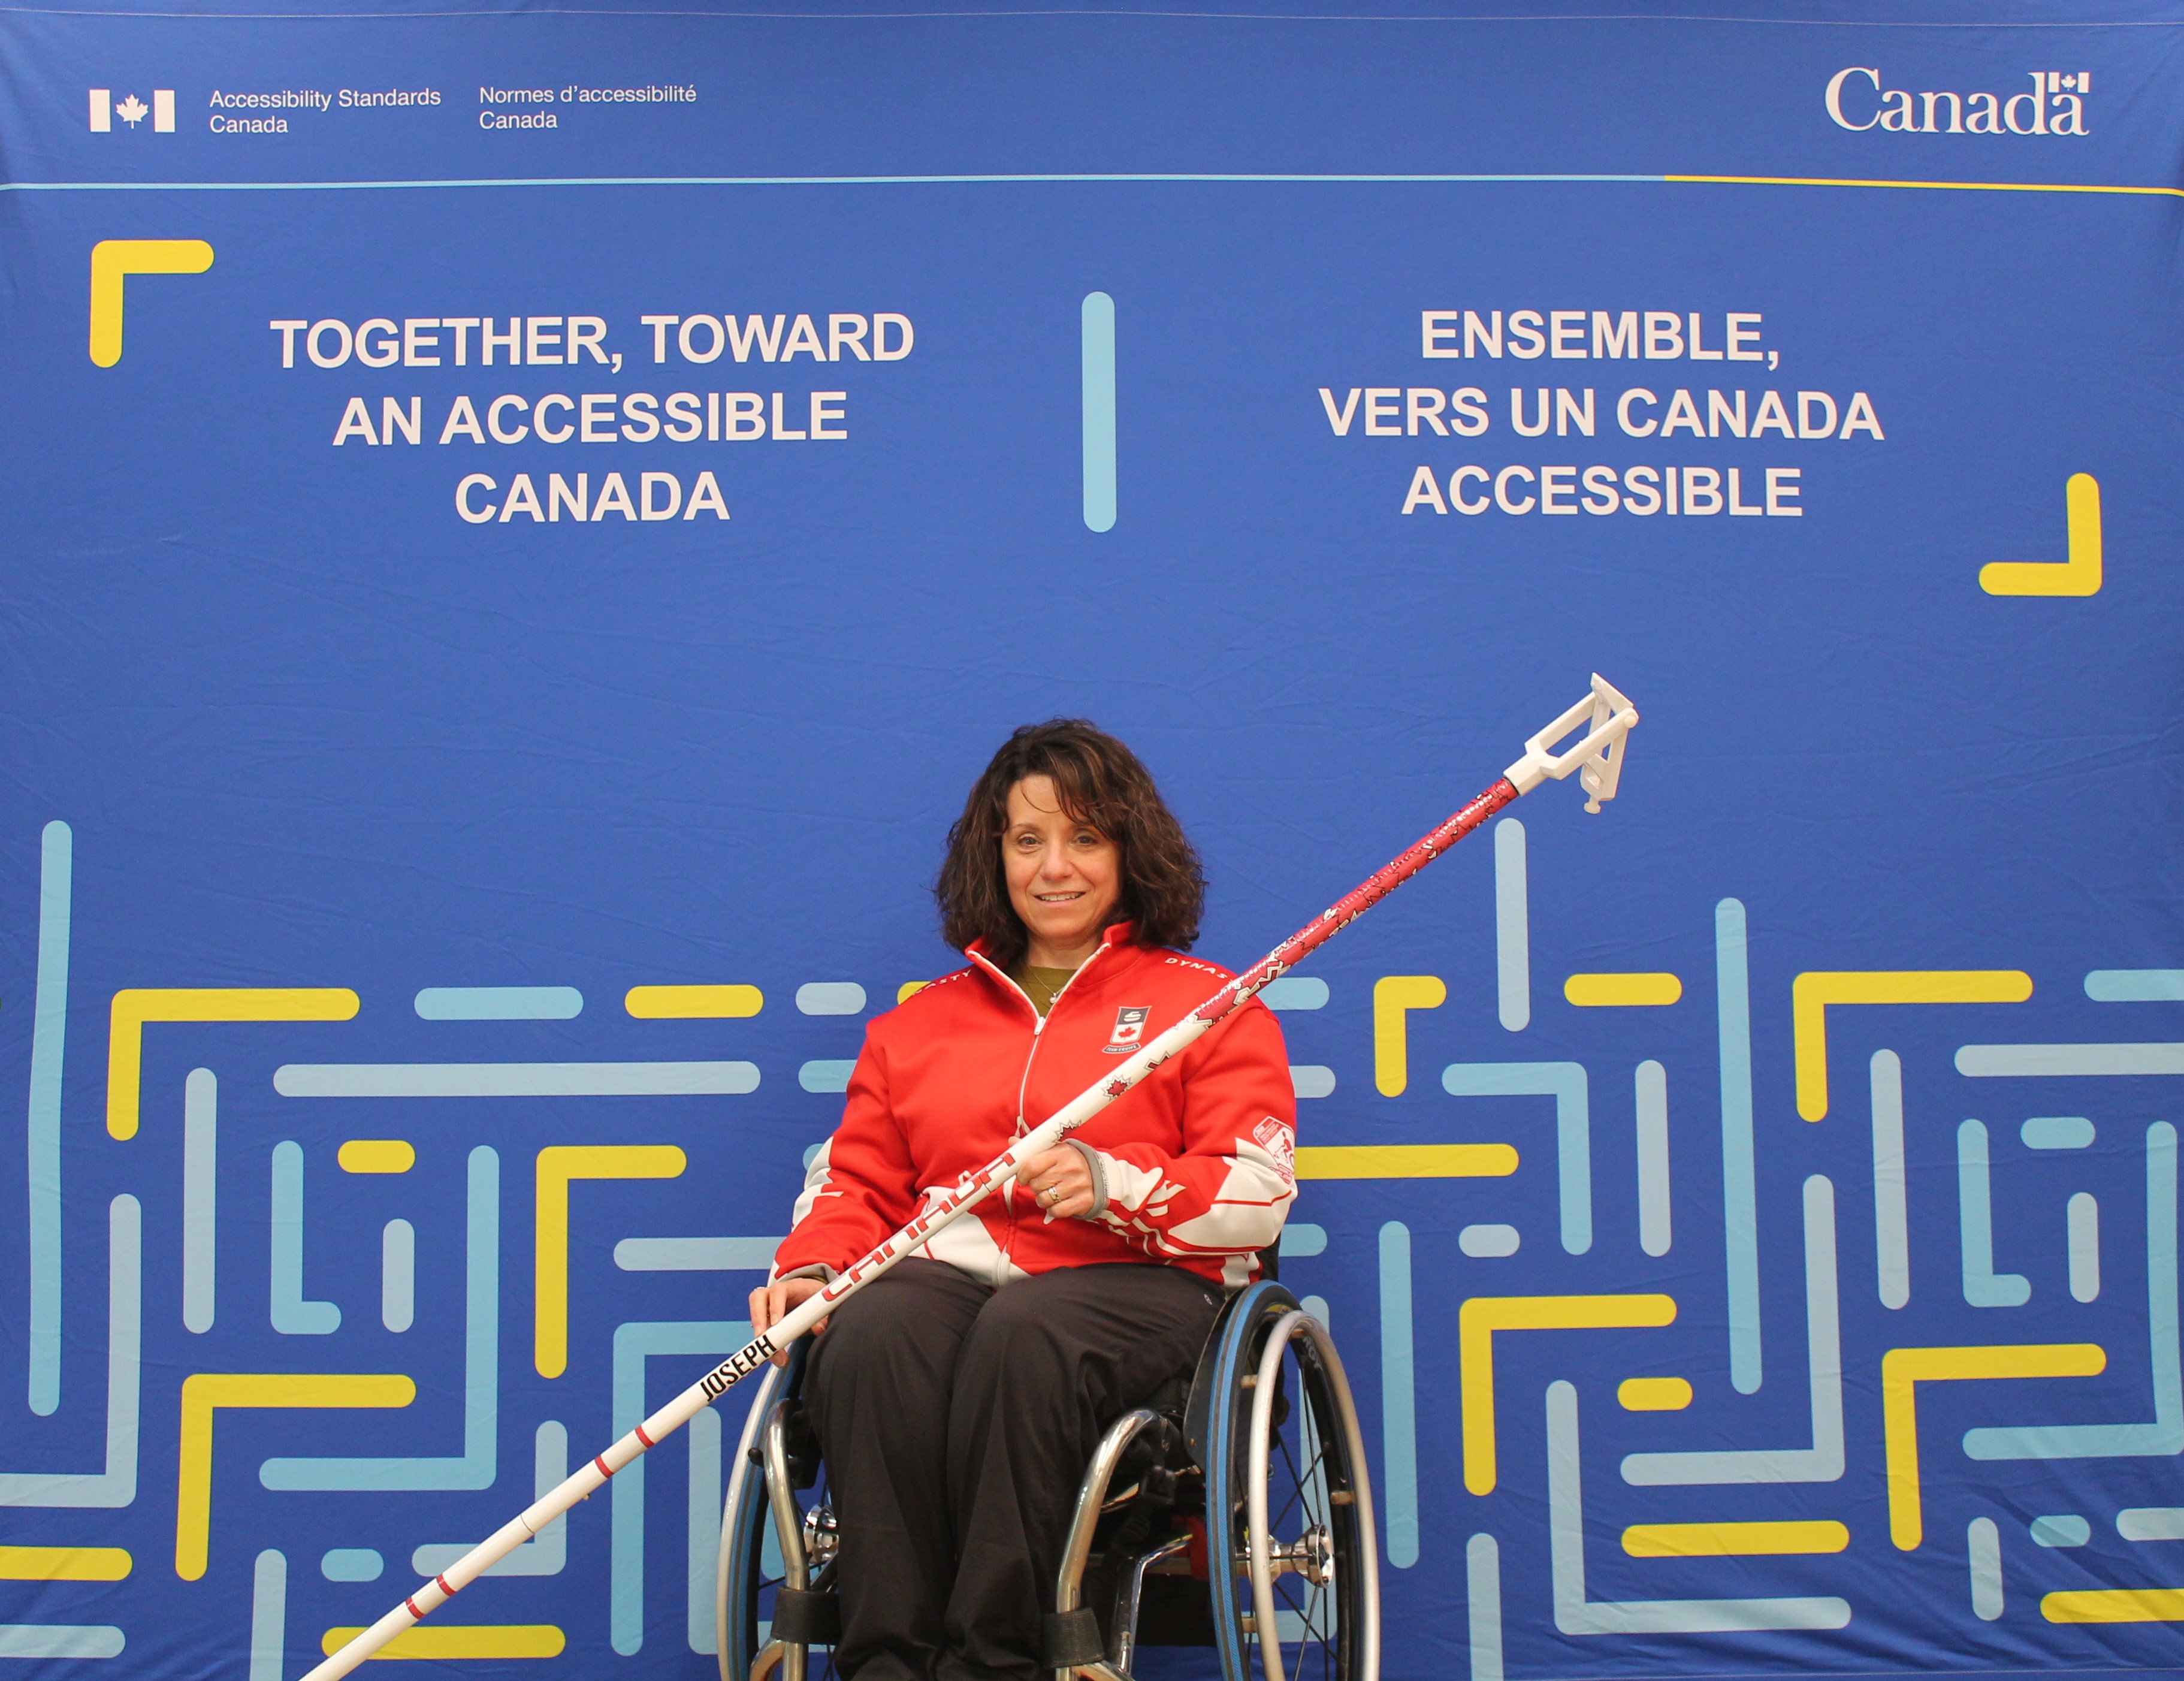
(1220, 1509)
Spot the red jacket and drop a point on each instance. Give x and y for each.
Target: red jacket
(1194, 1166)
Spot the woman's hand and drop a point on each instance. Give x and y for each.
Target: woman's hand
(770, 1303)
(1059, 1182)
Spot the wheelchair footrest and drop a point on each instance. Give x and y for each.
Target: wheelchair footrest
(807, 1618)
(1070, 1637)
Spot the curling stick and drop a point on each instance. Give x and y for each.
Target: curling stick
(1598, 755)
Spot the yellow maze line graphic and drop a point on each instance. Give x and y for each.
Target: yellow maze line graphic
(679, 1003)
(377, 1155)
(2115, 1605)
(1406, 1161)
(460, 1640)
(205, 1392)
(112, 261)
(1481, 1317)
(64, 1564)
(1811, 993)
(1903, 1369)
(133, 1006)
(558, 1164)
(1613, 992)
(2080, 574)
(1733, 1540)
(1394, 997)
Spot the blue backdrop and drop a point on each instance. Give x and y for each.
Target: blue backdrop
(458, 814)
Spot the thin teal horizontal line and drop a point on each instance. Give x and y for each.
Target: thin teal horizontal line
(775, 180)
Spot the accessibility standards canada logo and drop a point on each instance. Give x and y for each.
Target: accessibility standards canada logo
(132, 110)
(1857, 98)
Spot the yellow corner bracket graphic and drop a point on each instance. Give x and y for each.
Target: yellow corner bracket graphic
(112, 261)
(133, 1006)
(1480, 1317)
(1812, 992)
(1902, 1372)
(205, 1392)
(558, 1164)
(1394, 997)
(2079, 575)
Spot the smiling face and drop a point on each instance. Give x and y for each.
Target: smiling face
(1063, 876)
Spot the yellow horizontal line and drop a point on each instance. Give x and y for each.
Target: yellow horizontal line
(1595, 991)
(2115, 1605)
(377, 1155)
(668, 1003)
(1406, 1161)
(1733, 1540)
(1930, 185)
(1654, 1394)
(64, 1564)
(461, 1640)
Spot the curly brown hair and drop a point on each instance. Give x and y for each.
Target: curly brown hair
(1100, 782)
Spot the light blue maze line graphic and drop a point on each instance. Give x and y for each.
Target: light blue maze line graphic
(2164, 1433)
(1482, 1594)
(634, 1343)
(1650, 1084)
(515, 1080)
(201, 1200)
(48, 1041)
(115, 1486)
(1097, 336)
(546, 1552)
(1891, 1217)
(398, 1275)
(1399, 1422)
(269, 1615)
(1984, 1288)
(1823, 1461)
(291, 1314)
(1740, 1196)
(1513, 927)
(474, 1467)
(498, 1003)
(1566, 1083)
(1575, 1614)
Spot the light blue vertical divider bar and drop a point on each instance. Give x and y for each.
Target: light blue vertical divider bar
(2084, 1225)
(1892, 1220)
(398, 1275)
(48, 1039)
(1482, 1594)
(294, 1315)
(1513, 926)
(2165, 1434)
(1740, 1200)
(704, 1431)
(1399, 1424)
(116, 1486)
(474, 1467)
(635, 1342)
(269, 1616)
(200, 1197)
(1983, 1552)
(1098, 339)
(1984, 1288)
(1654, 1230)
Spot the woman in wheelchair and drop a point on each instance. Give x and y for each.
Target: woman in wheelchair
(958, 1399)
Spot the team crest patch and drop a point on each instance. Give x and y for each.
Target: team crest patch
(1279, 1141)
(1129, 1029)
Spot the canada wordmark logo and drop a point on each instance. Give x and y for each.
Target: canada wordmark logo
(132, 110)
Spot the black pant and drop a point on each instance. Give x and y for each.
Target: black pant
(956, 1422)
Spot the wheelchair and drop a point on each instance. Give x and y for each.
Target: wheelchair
(1235, 1511)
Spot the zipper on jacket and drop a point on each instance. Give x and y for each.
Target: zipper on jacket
(1023, 1081)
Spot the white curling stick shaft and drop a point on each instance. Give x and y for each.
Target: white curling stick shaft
(1612, 717)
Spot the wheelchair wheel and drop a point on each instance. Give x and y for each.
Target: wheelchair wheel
(1293, 1556)
(755, 1568)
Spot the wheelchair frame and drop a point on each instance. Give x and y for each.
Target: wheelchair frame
(1227, 1433)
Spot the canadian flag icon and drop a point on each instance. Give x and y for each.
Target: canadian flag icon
(104, 107)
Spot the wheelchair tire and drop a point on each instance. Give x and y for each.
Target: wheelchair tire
(1288, 1504)
(743, 1521)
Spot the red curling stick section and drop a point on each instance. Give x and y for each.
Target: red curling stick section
(600, 1461)
(644, 1439)
(445, 1587)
